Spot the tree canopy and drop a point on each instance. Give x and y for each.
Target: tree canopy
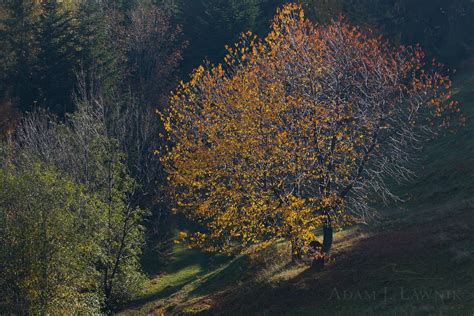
(307, 123)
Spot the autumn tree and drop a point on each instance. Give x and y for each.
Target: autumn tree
(304, 126)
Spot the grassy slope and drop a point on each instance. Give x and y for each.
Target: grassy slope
(418, 260)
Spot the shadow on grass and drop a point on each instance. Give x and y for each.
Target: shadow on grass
(163, 293)
(382, 274)
(185, 266)
(235, 271)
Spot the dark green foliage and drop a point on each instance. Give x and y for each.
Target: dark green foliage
(95, 49)
(120, 5)
(44, 46)
(17, 52)
(39, 55)
(211, 24)
(56, 61)
(153, 50)
(267, 12)
(443, 28)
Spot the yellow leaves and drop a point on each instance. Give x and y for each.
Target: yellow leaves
(261, 145)
(254, 51)
(197, 73)
(182, 237)
(167, 126)
(282, 136)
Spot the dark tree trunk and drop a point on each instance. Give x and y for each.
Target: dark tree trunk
(327, 235)
(318, 262)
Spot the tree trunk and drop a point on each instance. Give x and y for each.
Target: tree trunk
(296, 252)
(327, 235)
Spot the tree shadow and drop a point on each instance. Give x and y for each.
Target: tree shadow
(235, 271)
(181, 259)
(161, 294)
(364, 278)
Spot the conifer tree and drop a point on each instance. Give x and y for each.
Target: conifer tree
(210, 24)
(96, 53)
(17, 52)
(57, 58)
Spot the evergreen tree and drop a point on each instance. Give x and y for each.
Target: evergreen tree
(57, 58)
(211, 24)
(154, 51)
(17, 52)
(96, 53)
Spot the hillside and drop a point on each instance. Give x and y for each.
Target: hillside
(130, 130)
(416, 260)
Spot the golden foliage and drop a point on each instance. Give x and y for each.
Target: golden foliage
(269, 144)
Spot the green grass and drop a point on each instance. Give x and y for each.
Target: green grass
(418, 260)
(185, 268)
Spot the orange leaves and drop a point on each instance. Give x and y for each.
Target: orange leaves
(290, 128)
(301, 14)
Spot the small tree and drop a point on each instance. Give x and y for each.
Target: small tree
(303, 126)
(46, 224)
